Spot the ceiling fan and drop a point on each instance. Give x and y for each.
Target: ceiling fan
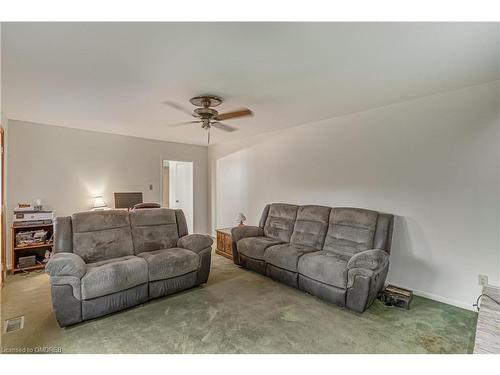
(206, 115)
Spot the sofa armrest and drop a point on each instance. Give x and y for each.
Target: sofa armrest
(195, 242)
(238, 233)
(66, 264)
(373, 259)
(366, 274)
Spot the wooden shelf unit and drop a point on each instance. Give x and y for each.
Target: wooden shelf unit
(18, 251)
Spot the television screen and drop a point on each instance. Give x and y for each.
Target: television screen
(127, 200)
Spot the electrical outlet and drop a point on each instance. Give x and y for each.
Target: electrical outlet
(150, 187)
(483, 279)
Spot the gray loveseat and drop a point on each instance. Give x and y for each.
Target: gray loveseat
(105, 261)
(337, 254)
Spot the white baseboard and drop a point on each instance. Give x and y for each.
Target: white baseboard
(438, 298)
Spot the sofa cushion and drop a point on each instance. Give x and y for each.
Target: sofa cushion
(310, 226)
(101, 235)
(113, 275)
(287, 255)
(280, 221)
(350, 230)
(168, 263)
(153, 229)
(254, 247)
(325, 266)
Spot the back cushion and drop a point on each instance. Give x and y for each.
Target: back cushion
(350, 230)
(280, 221)
(310, 226)
(101, 235)
(154, 229)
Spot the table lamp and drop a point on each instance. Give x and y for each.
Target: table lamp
(241, 219)
(99, 203)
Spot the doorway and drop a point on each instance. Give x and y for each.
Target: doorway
(177, 188)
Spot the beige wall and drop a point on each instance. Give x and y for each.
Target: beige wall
(65, 167)
(433, 162)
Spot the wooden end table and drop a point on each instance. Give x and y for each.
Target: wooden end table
(224, 243)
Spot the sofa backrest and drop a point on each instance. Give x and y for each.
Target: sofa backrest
(154, 229)
(350, 230)
(383, 234)
(63, 235)
(280, 221)
(263, 217)
(310, 226)
(101, 235)
(343, 230)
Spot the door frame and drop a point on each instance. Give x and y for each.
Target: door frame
(161, 183)
(3, 270)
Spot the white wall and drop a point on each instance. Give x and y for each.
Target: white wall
(433, 162)
(65, 168)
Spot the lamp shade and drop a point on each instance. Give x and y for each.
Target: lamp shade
(241, 218)
(99, 202)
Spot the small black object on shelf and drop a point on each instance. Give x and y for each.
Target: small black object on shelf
(26, 261)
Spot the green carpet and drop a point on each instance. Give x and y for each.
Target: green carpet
(238, 311)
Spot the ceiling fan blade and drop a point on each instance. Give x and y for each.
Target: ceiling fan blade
(178, 107)
(228, 115)
(223, 127)
(183, 123)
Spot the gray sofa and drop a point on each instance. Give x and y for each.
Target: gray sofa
(338, 254)
(106, 261)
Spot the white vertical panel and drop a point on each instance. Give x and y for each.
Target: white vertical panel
(181, 189)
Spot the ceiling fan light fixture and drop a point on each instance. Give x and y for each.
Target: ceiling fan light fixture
(208, 112)
(209, 117)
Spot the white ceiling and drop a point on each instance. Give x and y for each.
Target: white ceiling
(113, 77)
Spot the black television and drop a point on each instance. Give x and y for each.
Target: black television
(127, 200)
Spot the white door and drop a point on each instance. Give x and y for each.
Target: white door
(181, 189)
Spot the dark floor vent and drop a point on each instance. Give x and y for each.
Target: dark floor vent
(14, 324)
